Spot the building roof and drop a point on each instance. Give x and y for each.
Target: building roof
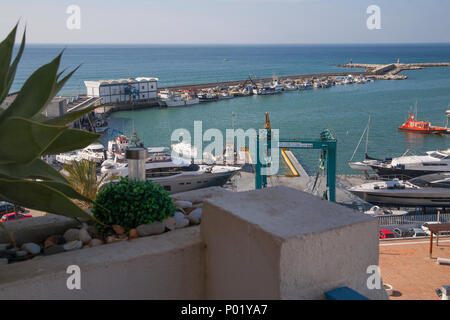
(119, 81)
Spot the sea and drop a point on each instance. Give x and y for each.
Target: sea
(298, 114)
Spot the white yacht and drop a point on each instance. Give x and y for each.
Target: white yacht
(414, 166)
(68, 157)
(432, 190)
(94, 152)
(176, 174)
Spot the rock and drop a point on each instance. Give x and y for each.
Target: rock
(4, 261)
(178, 215)
(195, 217)
(118, 229)
(133, 234)
(84, 236)
(169, 223)
(183, 204)
(72, 235)
(31, 248)
(95, 243)
(112, 239)
(93, 231)
(21, 253)
(54, 249)
(51, 241)
(181, 223)
(154, 228)
(189, 210)
(73, 245)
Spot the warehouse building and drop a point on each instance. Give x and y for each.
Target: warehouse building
(123, 90)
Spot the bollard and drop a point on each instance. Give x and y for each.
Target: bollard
(136, 163)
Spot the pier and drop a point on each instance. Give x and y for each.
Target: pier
(390, 71)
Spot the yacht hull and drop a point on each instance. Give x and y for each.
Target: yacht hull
(405, 198)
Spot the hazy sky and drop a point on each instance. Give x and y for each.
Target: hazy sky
(229, 21)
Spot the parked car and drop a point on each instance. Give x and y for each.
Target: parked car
(12, 216)
(6, 207)
(428, 232)
(417, 232)
(386, 234)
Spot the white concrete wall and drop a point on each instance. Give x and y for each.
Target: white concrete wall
(167, 266)
(276, 243)
(281, 243)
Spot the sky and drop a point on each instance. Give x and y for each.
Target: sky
(228, 21)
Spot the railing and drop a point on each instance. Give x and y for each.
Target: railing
(412, 219)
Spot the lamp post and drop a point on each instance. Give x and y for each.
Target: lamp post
(136, 158)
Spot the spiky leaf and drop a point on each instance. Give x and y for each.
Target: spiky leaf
(38, 169)
(22, 140)
(71, 139)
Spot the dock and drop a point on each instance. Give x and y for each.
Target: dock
(390, 71)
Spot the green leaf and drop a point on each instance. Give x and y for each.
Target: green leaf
(22, 140)
(12, 69)
(6, 49)
(69, 117)
(38, 169)
(35, 94)
(71, 139)
(39, 196)
(67, 190)
(60, 84)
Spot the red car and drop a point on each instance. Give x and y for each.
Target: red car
(386, 234)
(12, 216)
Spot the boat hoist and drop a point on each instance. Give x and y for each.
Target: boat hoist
(327, 143)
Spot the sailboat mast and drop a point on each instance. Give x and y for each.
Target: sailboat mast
(367, 137)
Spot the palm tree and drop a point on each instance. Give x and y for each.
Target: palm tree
(82, 176)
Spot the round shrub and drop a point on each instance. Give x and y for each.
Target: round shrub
(132, 203)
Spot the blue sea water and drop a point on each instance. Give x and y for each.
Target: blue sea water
(304, 114)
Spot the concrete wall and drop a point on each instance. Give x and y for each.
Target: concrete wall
(167, 266)
(279, 243)
(276, 243)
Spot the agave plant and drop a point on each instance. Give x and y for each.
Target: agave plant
(82, 176)
(26, 135)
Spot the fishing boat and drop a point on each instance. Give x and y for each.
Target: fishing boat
(431, 190)
(425, 127)
(207, 97)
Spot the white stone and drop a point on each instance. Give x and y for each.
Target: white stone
(21, 253)
(72, 235)
(73, 245)
(170, 223)
(95, 243)
(151, 229)
(84, 236)
(183, 204)
(178, 215)
(196, 216)
(181, 223)
(31, 247)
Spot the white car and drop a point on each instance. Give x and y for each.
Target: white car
(428, 232)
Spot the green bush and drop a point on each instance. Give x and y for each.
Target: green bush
(132, 203)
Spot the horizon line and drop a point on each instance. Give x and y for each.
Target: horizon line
(232, 44)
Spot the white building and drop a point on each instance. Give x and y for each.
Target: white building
(123, 90)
